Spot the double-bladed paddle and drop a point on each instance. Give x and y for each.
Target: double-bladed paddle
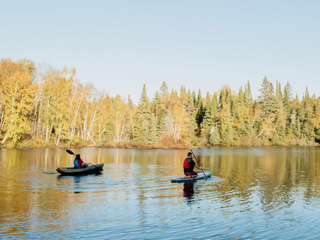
(198, 164)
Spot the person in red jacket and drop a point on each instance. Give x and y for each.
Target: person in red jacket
(188, 166)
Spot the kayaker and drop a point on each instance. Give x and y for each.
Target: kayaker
(188, 166)
(79, 163)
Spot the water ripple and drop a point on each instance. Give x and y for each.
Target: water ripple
(251, 198)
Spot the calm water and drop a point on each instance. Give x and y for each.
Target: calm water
(266, 193)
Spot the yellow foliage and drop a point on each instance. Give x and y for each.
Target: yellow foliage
(316, 120)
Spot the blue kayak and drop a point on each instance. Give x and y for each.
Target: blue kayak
(189, 179)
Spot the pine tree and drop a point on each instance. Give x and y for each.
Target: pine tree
(287, 98)
(267, 99)
(248, 95)
(280, 119)
(164, 89)
(145, 125)
(210, 125)
(227, 132)
(191, 115)
(306, 115)
(269, 110)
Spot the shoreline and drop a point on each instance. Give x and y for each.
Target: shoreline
(145, 146)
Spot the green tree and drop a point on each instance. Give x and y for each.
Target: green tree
(210, 121)
(269, 110)
(145, 125)
(228, 135)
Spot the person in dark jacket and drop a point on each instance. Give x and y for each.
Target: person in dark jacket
(188, 166)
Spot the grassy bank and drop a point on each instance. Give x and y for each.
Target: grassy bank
(195, 143)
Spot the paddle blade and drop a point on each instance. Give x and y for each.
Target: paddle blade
(70, 152)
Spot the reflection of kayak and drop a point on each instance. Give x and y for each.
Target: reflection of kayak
(187, 179)
(77, 171)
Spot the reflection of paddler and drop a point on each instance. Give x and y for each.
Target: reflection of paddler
(188, 189)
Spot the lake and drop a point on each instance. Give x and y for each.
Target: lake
(254, 193)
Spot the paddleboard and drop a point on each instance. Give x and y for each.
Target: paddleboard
(187, 179)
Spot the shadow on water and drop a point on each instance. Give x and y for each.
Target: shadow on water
(78, 175)
(50, 172)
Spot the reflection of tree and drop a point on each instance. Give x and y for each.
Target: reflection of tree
(274, 176)
(28, 196)
(279, 176)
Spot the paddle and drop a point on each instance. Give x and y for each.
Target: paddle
(70, 152)
(198, 164)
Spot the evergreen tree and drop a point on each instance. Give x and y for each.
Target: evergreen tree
(267, 99)
(227, 132)
(210, 126)
(51, 106)
(241, 98)
(280, 119)
(164, 89)
(208, 118)
(248, 95)
(144, 120)
(306, 115)
(190, 114)
(287, 97)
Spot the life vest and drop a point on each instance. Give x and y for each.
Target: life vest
(76, 164)
(186, 163)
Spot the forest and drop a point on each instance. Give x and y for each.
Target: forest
(49, 107)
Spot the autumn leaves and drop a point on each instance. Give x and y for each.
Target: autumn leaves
(47, 106)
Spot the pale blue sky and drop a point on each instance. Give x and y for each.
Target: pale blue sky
(120, 45)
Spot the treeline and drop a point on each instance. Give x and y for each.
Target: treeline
(50, 107)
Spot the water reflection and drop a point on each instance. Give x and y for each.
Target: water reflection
(67, 180)
(188, 191)
(76, 183)
(266, 192)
